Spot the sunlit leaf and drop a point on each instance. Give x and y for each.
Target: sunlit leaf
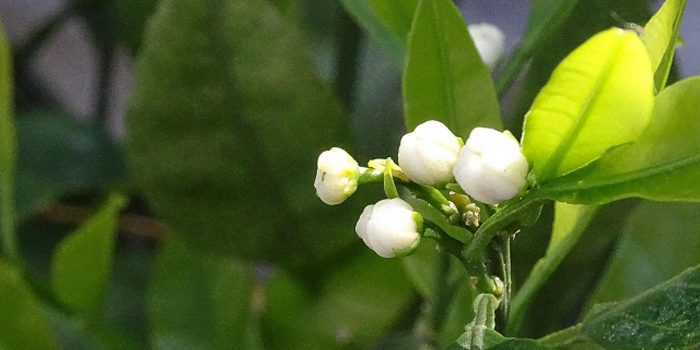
(600, 96)
(664, 164)
(82, 264)
(445, 78)
(661, 36)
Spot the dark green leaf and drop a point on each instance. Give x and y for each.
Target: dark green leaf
(220, 133)
(445, 79)
(661, 36)
(132, 16)
(387, 22)
(353, 308)
(8, 152)
(22, 325)
(199, 301)
(83, 261)
(599, 96)
(663, 164)
(660, 241)
(665, 317)
(59, 154)
(546, 16)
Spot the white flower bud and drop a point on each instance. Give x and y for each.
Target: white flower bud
(491, 168)
(428, 154)
(390, 228)
(336, 177)
(489, 41)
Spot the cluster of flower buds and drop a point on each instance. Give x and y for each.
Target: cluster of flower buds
(489, 167)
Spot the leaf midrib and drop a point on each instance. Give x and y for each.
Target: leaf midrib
(552, 166)
(449, 94)
(627, 176)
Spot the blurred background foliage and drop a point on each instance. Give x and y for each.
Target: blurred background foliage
(209, 116)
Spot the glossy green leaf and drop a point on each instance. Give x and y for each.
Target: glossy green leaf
(198, 300)
(444, 78)
(600, 96)
(59, 154)
(219, 133)
(663, 164)
(545, 17)
(664, 317)
(387, 22)
(570, 221)
(82, 263)
(589, 17)
(22, 325)
(660, 241)
(353, 308)
(661, 36)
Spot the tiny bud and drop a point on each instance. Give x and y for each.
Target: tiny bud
(491, 168)
(428, 154)
(489, 41)
(336, 177)
(390, 228)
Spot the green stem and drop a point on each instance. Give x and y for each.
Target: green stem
(441, 295)
(9, 237)
(505, 262)
(502, 218)
(564, 337)
(544, 268)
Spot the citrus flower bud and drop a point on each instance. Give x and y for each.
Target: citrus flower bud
(428, 154)
(336, 177)
(489, 41)
(390, 228)
(491, 167)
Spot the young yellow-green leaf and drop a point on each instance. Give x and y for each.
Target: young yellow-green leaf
(600, 96)
(664, 317)
(198, 300)
(82, 263)
(22, 324)
(445, 78)
(663, 164)
(661, 37)
(570, 221)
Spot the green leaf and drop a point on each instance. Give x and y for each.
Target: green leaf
(444, 78)
(546, 16)
(352, 309)
(519, 344)
(433, 215)
(659, 241)
(663, 164)
(661, 39)
(219, 133)
(570, 221)
(8, 151)
(663, 317)
(83, 261)
(600, 96)
(387, 22)
(199, 301)
(22, 325)
(59, 154)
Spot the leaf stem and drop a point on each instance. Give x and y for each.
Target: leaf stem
(502, 218)
(564, 337)
(505, 262)
(9, 236)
